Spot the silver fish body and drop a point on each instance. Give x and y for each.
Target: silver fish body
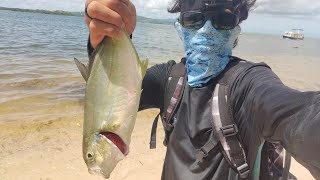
(112, 96)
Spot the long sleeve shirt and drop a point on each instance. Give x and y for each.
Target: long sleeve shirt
(262, 107)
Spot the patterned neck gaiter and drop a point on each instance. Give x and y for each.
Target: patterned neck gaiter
(208, 51)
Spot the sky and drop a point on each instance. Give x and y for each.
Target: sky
(268, 15)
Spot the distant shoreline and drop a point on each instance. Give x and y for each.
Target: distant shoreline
(81, 14)
(40, 11)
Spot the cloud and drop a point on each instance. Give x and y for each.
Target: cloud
(276, 7)
(158, 8)
(150, 8)
(153, 4)
(153, 8)
(288, 7)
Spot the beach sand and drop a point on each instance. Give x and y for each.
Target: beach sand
(53, 150)
(46, 142)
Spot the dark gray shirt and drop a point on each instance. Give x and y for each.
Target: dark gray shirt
(263, 108)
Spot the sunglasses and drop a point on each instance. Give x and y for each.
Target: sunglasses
(220, 21)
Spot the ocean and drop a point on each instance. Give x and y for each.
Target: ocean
(39, 80)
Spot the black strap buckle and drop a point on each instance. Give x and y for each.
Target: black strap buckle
(243, 170)
(201, 154)
(229, 130)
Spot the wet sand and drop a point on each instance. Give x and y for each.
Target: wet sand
(41, 135)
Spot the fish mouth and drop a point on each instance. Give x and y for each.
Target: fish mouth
(97, 171)
(116, 140)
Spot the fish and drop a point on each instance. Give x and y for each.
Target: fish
(113, 77)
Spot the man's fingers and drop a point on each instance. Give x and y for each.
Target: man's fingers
(133, 18)
(96, 10)
(109, 18)
(95, 39)
(121, 8)
(126, 2)
(99, 29)
(87, 20)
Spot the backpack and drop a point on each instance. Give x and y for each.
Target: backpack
(269, 161)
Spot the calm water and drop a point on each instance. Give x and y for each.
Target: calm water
(37, 73)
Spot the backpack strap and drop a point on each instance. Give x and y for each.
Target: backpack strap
(172, 96)
(286, 168)
(227, 132)
(175, 86)
(153, 136)
(224, 128)
(274, 165)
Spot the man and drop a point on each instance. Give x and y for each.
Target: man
(263, 108)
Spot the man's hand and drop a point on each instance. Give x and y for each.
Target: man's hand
(108, 17)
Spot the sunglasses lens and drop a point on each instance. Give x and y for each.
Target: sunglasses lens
(192, 20)
(225, 21)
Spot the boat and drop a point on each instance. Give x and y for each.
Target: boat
(296, 34)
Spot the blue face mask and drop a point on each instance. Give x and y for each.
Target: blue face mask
(207, 51)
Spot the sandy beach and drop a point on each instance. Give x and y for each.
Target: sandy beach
(52, 151)
(44, 142)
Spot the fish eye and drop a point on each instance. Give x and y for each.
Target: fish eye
(89, 156)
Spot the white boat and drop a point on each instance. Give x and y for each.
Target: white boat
(296, 34)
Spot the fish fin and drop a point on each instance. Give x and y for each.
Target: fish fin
(90, 62)
(144, 66)
(83, 69)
